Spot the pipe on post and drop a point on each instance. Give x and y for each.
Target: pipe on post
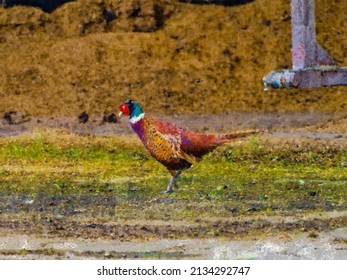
(312, 65)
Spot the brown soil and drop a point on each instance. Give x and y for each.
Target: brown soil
(232, 228)
(173, 57)
(313, 126)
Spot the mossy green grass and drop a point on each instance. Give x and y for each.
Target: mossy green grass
(116, 177)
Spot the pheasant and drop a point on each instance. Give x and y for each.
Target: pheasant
(175, 147)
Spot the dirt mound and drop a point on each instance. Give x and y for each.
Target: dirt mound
(80, 18)
(173, 57)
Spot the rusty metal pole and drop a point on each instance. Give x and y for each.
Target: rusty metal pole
(312, 65)
(303, 34)
(306, 51)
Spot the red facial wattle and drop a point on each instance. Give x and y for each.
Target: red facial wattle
(124, 108)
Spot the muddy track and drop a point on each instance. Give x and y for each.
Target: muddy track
(303, 122)
(146, 230)
(313, 236)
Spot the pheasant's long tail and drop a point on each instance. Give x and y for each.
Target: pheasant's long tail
(234, 135)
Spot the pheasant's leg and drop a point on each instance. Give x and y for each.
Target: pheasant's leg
(178, 173)
(173, 182)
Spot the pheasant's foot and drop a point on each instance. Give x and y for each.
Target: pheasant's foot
(169, 190)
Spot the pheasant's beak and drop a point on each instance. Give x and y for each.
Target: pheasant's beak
(120, 114)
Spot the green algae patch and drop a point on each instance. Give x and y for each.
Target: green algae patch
(53, 175)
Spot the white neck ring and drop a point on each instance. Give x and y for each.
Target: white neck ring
(134, 120)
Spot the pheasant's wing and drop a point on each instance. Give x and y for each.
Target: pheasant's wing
(176, 146)
(172, 134)
(166, 128)
(191, 143)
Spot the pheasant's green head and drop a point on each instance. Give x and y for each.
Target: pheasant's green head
(131, 109)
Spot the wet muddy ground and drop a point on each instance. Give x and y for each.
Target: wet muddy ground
(327, 246)
(74, 214)
(310, 124)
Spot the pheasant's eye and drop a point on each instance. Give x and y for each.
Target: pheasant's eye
(124, 108)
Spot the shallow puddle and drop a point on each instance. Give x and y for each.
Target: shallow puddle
(330, 245)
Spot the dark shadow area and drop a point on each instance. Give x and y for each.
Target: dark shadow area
(219, 2)
(47, 6)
